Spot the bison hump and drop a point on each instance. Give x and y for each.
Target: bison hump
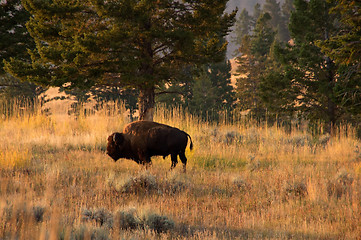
(141, 127)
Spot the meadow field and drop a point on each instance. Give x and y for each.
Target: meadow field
(243, 181)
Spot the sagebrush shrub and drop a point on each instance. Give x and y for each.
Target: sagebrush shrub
(144, 182)
(101, 216)
(295, 190)
(127, 219)
(340, 185)
(157, 222)
(241, 184)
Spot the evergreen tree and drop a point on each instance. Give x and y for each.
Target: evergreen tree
(252, 65)
(204, 96)
(246, 76)
(286, 10)
(178, 92)
(220, 75)
(243, 26)
(246, 24)
(14, 37)
(279, 18)
(212, 91)
(116, 94)
(274, 10)
(263, 37)
(14, 42)
(257, 11)
(345, 48)
(207, 93)
(309, 82)
(138, 44)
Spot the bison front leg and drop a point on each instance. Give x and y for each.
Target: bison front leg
(174, 161)
(145, 160)
(183, 158)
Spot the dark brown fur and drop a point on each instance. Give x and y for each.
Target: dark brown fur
(141, 140)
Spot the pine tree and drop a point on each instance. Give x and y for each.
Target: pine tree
(274, 10)
(220, 75)
(178, 92)
(257, 11)
(252, 64)
(14, 37)
(243, 26)
(309, 82)
(204, 96)
(205, 91)
(14, 42)
(279, 17)
(138, 44)
(246, 77)
(212, 92)
(345, 48)
(286, 10)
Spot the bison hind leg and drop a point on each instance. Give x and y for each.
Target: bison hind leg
(183, 158)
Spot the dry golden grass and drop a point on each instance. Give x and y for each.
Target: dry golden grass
(243, 181)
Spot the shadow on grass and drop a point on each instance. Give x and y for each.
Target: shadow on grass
(247, 233)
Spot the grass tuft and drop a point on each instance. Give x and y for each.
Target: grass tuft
(341, 184)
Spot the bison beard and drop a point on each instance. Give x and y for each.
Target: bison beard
(141, 140)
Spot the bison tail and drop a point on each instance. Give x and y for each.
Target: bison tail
(191, 145)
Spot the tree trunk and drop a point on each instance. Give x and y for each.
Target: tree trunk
(331, 105)
(146, 104)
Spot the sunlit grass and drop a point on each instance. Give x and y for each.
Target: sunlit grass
(243, 180)
(14, 158)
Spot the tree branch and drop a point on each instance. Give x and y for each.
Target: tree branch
(169, 92)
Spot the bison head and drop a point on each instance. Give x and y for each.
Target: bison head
(114, 147)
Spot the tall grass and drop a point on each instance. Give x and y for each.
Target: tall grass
(244, 180)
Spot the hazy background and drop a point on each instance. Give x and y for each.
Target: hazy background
(240, 4)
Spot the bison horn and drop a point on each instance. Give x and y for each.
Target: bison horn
(118, 138)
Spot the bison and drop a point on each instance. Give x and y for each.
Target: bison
(141, 140)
